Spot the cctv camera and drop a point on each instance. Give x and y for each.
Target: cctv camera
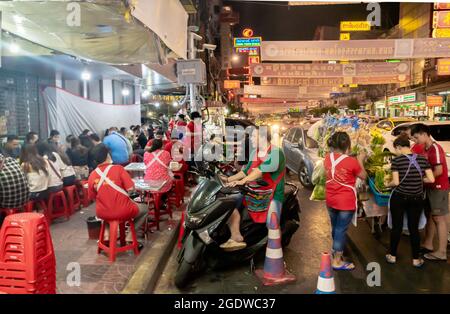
(209, 46)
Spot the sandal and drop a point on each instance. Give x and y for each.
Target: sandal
(424, 250)
(433, 257)
(391, 259)
(419, 264)
(232, 245)
(346, 266)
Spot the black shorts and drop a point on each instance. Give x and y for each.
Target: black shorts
(437, 202)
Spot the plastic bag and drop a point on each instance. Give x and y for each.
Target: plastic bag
(318, 194)
(318, 172)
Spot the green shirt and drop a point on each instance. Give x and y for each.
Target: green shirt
(275, 164)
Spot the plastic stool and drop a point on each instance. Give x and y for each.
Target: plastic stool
(112, 249)
(156, 211)
(83, 187)
(73, 197)
(63, 209)
(31, 205)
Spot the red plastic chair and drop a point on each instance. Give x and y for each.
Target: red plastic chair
(57, 206)
(83, 193)
(31, 206)
(10, 211)
(117, 226)
(155, 212)
(73, 198)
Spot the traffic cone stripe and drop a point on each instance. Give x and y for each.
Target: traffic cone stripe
(325, 285)
(274, 253)
(274, 244)
(274, 234)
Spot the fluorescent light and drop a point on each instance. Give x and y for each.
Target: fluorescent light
(157, 104)
(175, 103)
(14, 47)
(85, 75)
(18, 19)
(125, 92)
(145, 93)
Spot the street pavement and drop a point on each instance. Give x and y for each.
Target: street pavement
(303, 257)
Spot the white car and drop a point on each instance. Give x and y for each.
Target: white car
(440, 132)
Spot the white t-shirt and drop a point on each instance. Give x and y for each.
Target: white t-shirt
(58, 171)
(38, 180)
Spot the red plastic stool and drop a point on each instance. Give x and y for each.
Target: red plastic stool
(112, 249)
(73, 197)
(57, 201)
(156, 212)
(10, 211)
(83, 188)
(31, 206)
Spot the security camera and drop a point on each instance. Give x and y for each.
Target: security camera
(209, 47)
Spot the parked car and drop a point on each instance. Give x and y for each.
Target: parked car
(389, 124)
(302, 153)
(440, 132)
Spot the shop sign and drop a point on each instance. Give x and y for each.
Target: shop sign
(377, 49)
(251, 51)
(247, 42)
(253, 60)
(441, 33)
(335, 81)
(247, 32)
(355, 26)
(402, 98)
(434, 101)
(443, 66)
(232, 84)
(441, 6)
(441, 19)
(362, 69)
(344, 36)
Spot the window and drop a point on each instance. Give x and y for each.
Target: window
(310, 143)
(440, 133)
(298, 137)
(399, 130)
(384, 125)
(290, 135)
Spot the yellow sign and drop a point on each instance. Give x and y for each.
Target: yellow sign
(353, 85)
(441, 33)
(344, 36)
(232, 84)
(443, 66)
(355, 26)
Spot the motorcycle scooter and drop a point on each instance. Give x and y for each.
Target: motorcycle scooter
(208, 212)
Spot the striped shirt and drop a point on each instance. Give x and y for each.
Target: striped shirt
(412, 184)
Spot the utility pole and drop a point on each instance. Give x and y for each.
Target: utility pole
(193, 37)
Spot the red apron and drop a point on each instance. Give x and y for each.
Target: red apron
(260, 215)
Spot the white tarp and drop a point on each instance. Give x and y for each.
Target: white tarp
(167, 19)
(71, 114)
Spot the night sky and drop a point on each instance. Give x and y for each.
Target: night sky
(277, 21)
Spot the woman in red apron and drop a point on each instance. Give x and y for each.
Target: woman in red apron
(341, 197)
(267, 164)
(157, 163)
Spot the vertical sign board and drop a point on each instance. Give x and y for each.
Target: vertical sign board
(443, 66)
(441, 19)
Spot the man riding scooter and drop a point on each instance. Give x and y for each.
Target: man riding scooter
(267, 163)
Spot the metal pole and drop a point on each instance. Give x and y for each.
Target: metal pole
(192, 55)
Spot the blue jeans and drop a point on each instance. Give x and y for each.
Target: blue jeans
(340, 219)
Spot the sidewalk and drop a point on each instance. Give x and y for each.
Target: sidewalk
(402, 277)
(99, 276)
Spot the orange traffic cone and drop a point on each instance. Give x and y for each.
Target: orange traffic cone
(181, 233)
(274, 272)
(325, 283)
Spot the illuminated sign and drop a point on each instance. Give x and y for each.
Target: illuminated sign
(252, 51)
(441, 19)
(443, 66)
(355, 26)
(402, 98)
(247, 42)
(232, 84)
(442, 6)
(344, 36)
(254, 59)
(441, 33)
(247, 33)
(434, 101)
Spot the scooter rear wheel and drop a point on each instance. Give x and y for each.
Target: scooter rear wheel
(184, 274)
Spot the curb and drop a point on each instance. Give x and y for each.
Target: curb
(148, 272)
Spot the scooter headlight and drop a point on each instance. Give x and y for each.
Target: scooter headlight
(204, 235)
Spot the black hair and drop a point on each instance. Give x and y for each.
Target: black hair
(340, 141)
(156, 144)
(159, 132)
(12, 137)
(100, 153)
(420, 128)
(94, 137)
(45, 149)
(54, 133)
(195, 115)
(30, 136)
(402, 141)
(69, 138)
(181, 116)
(30, 156)
(123, 130)
(85, 132)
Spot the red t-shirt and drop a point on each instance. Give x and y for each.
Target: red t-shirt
(111, 204)
(338, 196)
(418, 149)
(436, 156)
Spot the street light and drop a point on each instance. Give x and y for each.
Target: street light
(235, 58)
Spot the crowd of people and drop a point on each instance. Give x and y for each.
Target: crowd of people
(419, 189)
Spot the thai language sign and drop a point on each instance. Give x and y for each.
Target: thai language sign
(402, 98)
(443, 66)
(334, 81)
(375, 49)
(330, 70)
(247, 42)
(288, 92)
(352, 26)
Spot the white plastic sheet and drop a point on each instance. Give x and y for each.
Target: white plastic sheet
(71, 114)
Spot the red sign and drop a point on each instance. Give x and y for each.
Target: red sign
(441, 19)
(442, 6)
(434, 101)
(248, 32)
(253, 59)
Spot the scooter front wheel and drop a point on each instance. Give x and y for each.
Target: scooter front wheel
(184, 274)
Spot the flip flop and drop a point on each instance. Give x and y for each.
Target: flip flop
(432, 257)
(232, 245)
(421, 263)
(424, 250)
(346, 266)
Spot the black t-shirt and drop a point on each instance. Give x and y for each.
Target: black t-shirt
(412, 184)
(91, 161)
(77, 157)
